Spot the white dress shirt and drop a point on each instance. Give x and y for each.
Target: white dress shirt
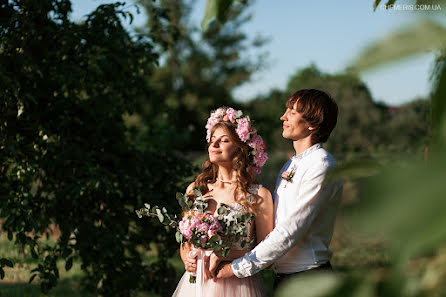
(305, 212)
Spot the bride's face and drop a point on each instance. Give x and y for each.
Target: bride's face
(221, 147)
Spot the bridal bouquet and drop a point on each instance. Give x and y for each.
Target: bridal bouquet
(203, 230)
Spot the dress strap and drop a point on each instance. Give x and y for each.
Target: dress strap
(253, 190)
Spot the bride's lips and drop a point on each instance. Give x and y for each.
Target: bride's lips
(215, 152)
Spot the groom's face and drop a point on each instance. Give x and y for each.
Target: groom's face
(294, 126)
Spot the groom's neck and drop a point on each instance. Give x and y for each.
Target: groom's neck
(302, 145)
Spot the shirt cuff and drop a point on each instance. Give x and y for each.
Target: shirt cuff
(238, 268)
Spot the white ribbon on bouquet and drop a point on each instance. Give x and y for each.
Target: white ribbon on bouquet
(200, 254)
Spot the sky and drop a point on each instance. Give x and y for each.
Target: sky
(330, 34)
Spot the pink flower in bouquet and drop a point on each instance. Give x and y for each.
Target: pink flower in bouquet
(212, 220)
(214, 229)
(186, 228)
(195, 222)
(203, 227)
(243, 129)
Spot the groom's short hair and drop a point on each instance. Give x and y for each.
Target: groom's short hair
(318, 110)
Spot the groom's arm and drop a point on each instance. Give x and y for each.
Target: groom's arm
(285, 235)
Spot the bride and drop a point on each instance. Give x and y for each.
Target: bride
(235, 156)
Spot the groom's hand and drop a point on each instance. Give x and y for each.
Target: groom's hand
(225, 271)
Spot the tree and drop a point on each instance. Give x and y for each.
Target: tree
(66, 158)
(199, 71)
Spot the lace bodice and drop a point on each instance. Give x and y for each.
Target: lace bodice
(237, 208)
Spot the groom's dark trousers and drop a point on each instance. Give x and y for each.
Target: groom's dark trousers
(282, 277)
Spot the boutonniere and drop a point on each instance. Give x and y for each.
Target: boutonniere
(288, 175)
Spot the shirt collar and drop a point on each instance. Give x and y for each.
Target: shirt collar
(306, 152)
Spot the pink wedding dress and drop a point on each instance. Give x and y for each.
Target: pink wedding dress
(226, 287)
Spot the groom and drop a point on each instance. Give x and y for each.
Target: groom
(305, 202)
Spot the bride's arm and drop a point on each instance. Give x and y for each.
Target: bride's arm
(264, 214)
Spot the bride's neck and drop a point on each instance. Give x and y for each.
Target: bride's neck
(226, 174)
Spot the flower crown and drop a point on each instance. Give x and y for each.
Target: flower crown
(245, 132)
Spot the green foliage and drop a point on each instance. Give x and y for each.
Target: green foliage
(429, 36)
(68, 162)
(198, 72)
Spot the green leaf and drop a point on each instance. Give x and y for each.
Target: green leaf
(375, 4)
(197, 192)
(414, 39)
(178, 236)
(217, 12)
(160, 215)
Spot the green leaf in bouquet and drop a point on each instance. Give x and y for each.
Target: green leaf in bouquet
(224, 251)
(197, 192)
(178, 236)
(160, 215)
(138, 213)
(214, 239)
(200, 205)
(222, 210)
(183, 201)
(243, 243)
(189, 202)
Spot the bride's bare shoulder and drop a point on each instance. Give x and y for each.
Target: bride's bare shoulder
(264, 192)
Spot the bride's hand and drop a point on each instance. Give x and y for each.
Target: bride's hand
(189, 259)
(214, 261)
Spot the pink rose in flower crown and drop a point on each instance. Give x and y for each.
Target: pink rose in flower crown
(230, 112)
(260, 158)
(220, 112)
(256, 170)
(243, 129)
(257, 142)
